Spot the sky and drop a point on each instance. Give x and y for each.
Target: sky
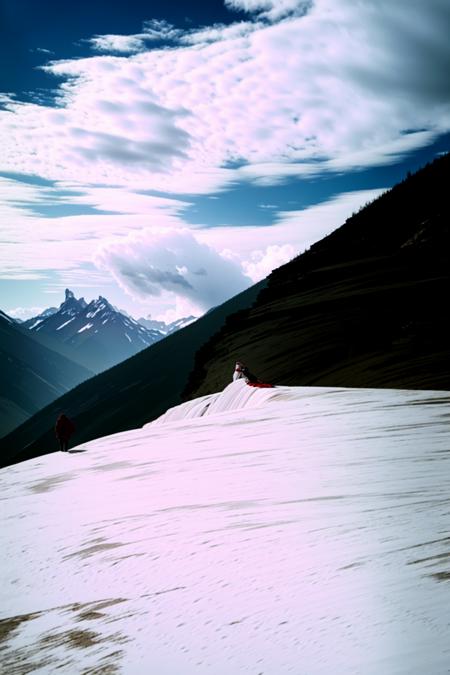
(167, 155)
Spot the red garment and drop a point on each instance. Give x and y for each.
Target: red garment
(64, 428)
(262, 385)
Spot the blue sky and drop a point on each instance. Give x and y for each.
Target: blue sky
(167, 155)
(33, 32)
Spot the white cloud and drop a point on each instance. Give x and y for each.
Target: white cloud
(285, 94)
(154, 264)
(123, 201)
(24, 313)
(250, 5)
(153, 31)
(179, 308)
(33, 244)
(132, 247)
(159, 29)
(262, 263)
(11, 274)
(42, 50)
(307, 226)
(337, 87)
(298, 229)
(220, 32)
(274, 10)
(125, 44)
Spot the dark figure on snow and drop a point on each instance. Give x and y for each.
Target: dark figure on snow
(64, 429)
(241, 371)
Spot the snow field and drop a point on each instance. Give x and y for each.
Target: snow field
(288, 530)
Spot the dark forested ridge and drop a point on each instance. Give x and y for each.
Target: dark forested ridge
(364, 307)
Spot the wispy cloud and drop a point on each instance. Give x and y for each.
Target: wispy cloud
(124, 44)
(160, 30)
(32, 243)
(24, 313)
(42, 50)
(294, 230)
(11, 274)
(153, 31)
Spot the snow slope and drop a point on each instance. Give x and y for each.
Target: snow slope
(293, 530)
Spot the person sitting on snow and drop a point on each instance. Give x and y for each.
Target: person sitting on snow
(238, 374)
(242, 372)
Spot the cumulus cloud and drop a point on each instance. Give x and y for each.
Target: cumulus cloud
(36, 246)
(262, 263)
(153, 264)
(108, 133)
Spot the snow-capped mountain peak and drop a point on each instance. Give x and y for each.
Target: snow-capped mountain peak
(48, 312)
(70, 307)
(34, 323)
(99, 306)
(166, 328)
(181, 323)
(97, 330)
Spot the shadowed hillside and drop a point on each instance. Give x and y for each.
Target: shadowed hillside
(364, 307)
(126, 396)
(32, 374)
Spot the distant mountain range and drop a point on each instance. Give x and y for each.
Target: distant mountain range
(45, 356)
(364, 307)
(166, 328)
(99, 334)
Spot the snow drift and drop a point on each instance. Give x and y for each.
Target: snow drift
(292, 530)
(237, 396)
